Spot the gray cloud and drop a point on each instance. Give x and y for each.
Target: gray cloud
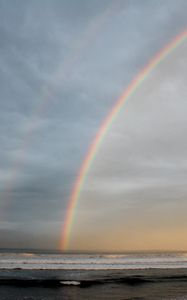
(139, 174)
(63, 64)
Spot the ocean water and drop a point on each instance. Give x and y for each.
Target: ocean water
(35, 275)
(38, 260)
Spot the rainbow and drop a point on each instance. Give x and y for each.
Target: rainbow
(105, 126)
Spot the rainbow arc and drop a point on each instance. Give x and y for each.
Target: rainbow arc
(105, 127)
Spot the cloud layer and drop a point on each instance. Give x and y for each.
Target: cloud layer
(63, 64)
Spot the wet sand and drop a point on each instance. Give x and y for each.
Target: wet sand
(147, 284)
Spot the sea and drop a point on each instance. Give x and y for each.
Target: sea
(41, 275)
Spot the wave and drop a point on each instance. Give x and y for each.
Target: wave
(91, 262)
(70, 282)
(55, 283)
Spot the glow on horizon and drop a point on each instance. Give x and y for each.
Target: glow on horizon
(105, 127)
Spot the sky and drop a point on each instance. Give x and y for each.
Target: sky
(63, 66)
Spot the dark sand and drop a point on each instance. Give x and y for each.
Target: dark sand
(111, 284)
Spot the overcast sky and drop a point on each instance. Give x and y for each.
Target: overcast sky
(63, 65)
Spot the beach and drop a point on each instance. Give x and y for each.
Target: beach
(108, 284)
(36, 275)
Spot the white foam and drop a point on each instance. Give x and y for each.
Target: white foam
(70, 282)
(92, 262)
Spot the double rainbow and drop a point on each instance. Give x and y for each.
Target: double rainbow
(105, 126)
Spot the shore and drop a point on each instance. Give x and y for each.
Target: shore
(147, 284)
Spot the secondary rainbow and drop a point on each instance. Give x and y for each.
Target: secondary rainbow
(105, 126)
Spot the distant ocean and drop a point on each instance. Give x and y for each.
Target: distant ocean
(38, 275)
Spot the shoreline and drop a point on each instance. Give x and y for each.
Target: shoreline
(59, 278)
(149, 284)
